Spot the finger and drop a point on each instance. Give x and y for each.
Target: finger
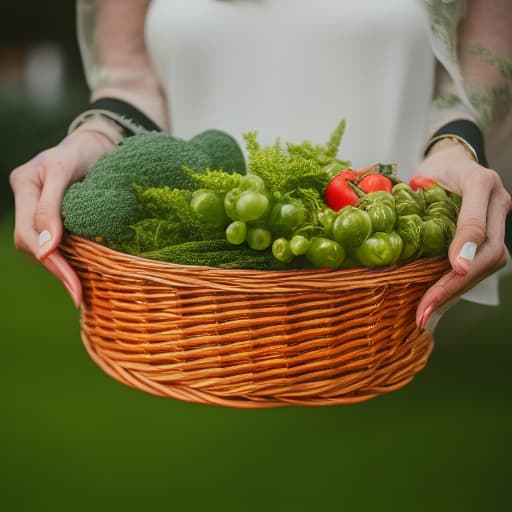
(60, 268)
(491, 256)
(47, 218)
(472, 221)
(26, 185)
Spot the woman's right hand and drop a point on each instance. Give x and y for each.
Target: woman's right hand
(39, 187)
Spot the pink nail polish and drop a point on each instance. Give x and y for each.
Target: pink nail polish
(75, 300)
(426, 314)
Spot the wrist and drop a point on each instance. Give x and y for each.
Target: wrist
(451, 143)
(466, 133)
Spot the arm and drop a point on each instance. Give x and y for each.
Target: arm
(115, 58)
(116, 63)
(474, 82)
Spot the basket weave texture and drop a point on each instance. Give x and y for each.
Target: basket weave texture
(252, 339)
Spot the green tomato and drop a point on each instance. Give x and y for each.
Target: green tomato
(208, 206)
(434, 194)
(251, 205)
(351, 227)
(407, 201)
(377, 197)
(326, 218)
(410, 229)
(377, 250)
(434, 241)
(408, 207)
(281, 250)
(236, 232)
(285, 217)
(299, 244)
(397, 245)
(382, 216)
(258, 238)
(325, 253)
(443, 208)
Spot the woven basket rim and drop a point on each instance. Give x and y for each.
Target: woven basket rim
(248, 280)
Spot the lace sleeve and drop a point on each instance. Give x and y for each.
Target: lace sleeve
(116, 63)
(472, 41)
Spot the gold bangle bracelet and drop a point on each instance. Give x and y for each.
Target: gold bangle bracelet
(451, 136)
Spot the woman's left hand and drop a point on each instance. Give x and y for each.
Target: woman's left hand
(478, 248)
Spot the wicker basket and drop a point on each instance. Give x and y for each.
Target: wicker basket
(252, 339)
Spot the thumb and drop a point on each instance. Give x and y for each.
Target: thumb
(470, 234)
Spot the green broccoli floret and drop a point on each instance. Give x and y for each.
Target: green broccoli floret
(99, 213)
(104, 204)
(150, 160)
(224, 151)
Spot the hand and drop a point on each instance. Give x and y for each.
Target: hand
(478, 249)
(39, 187)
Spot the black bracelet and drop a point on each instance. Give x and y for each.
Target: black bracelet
(468, 131)
(128, 119)
(124, 109)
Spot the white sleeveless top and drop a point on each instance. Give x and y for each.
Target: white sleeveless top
(294, 68)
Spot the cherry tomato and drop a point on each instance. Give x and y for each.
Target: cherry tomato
(375, 182)
(349, 175)
(417, 182)
(208, 206)
(299, 244)
(236, 232)
(251, 205)
(258, 238)
(281, 250)
(339, 193)
(284, 217)
(230, 200)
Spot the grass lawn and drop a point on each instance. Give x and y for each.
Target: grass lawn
(74, 440)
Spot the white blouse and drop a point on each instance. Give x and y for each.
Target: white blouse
(293, 68)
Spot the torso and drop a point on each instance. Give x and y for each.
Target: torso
(294, 68)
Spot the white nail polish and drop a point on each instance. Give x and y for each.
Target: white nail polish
(468, 251)
(44, 237)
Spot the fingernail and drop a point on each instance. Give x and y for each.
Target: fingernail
(72, 294)
(467, 255)
(425, 316)
(468, 251)
(44, 237)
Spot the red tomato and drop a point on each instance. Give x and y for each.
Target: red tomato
(417, 182)
(364, 170)
(339, 193)
(375, 182)
(348, 174)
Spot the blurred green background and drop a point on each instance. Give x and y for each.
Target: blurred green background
(72, 439)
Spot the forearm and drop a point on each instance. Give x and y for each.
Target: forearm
(115, 58)
(475, 79)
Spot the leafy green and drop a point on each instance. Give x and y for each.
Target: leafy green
(297, 166)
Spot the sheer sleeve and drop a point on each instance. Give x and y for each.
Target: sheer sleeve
(472, 41)
(115, 60)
